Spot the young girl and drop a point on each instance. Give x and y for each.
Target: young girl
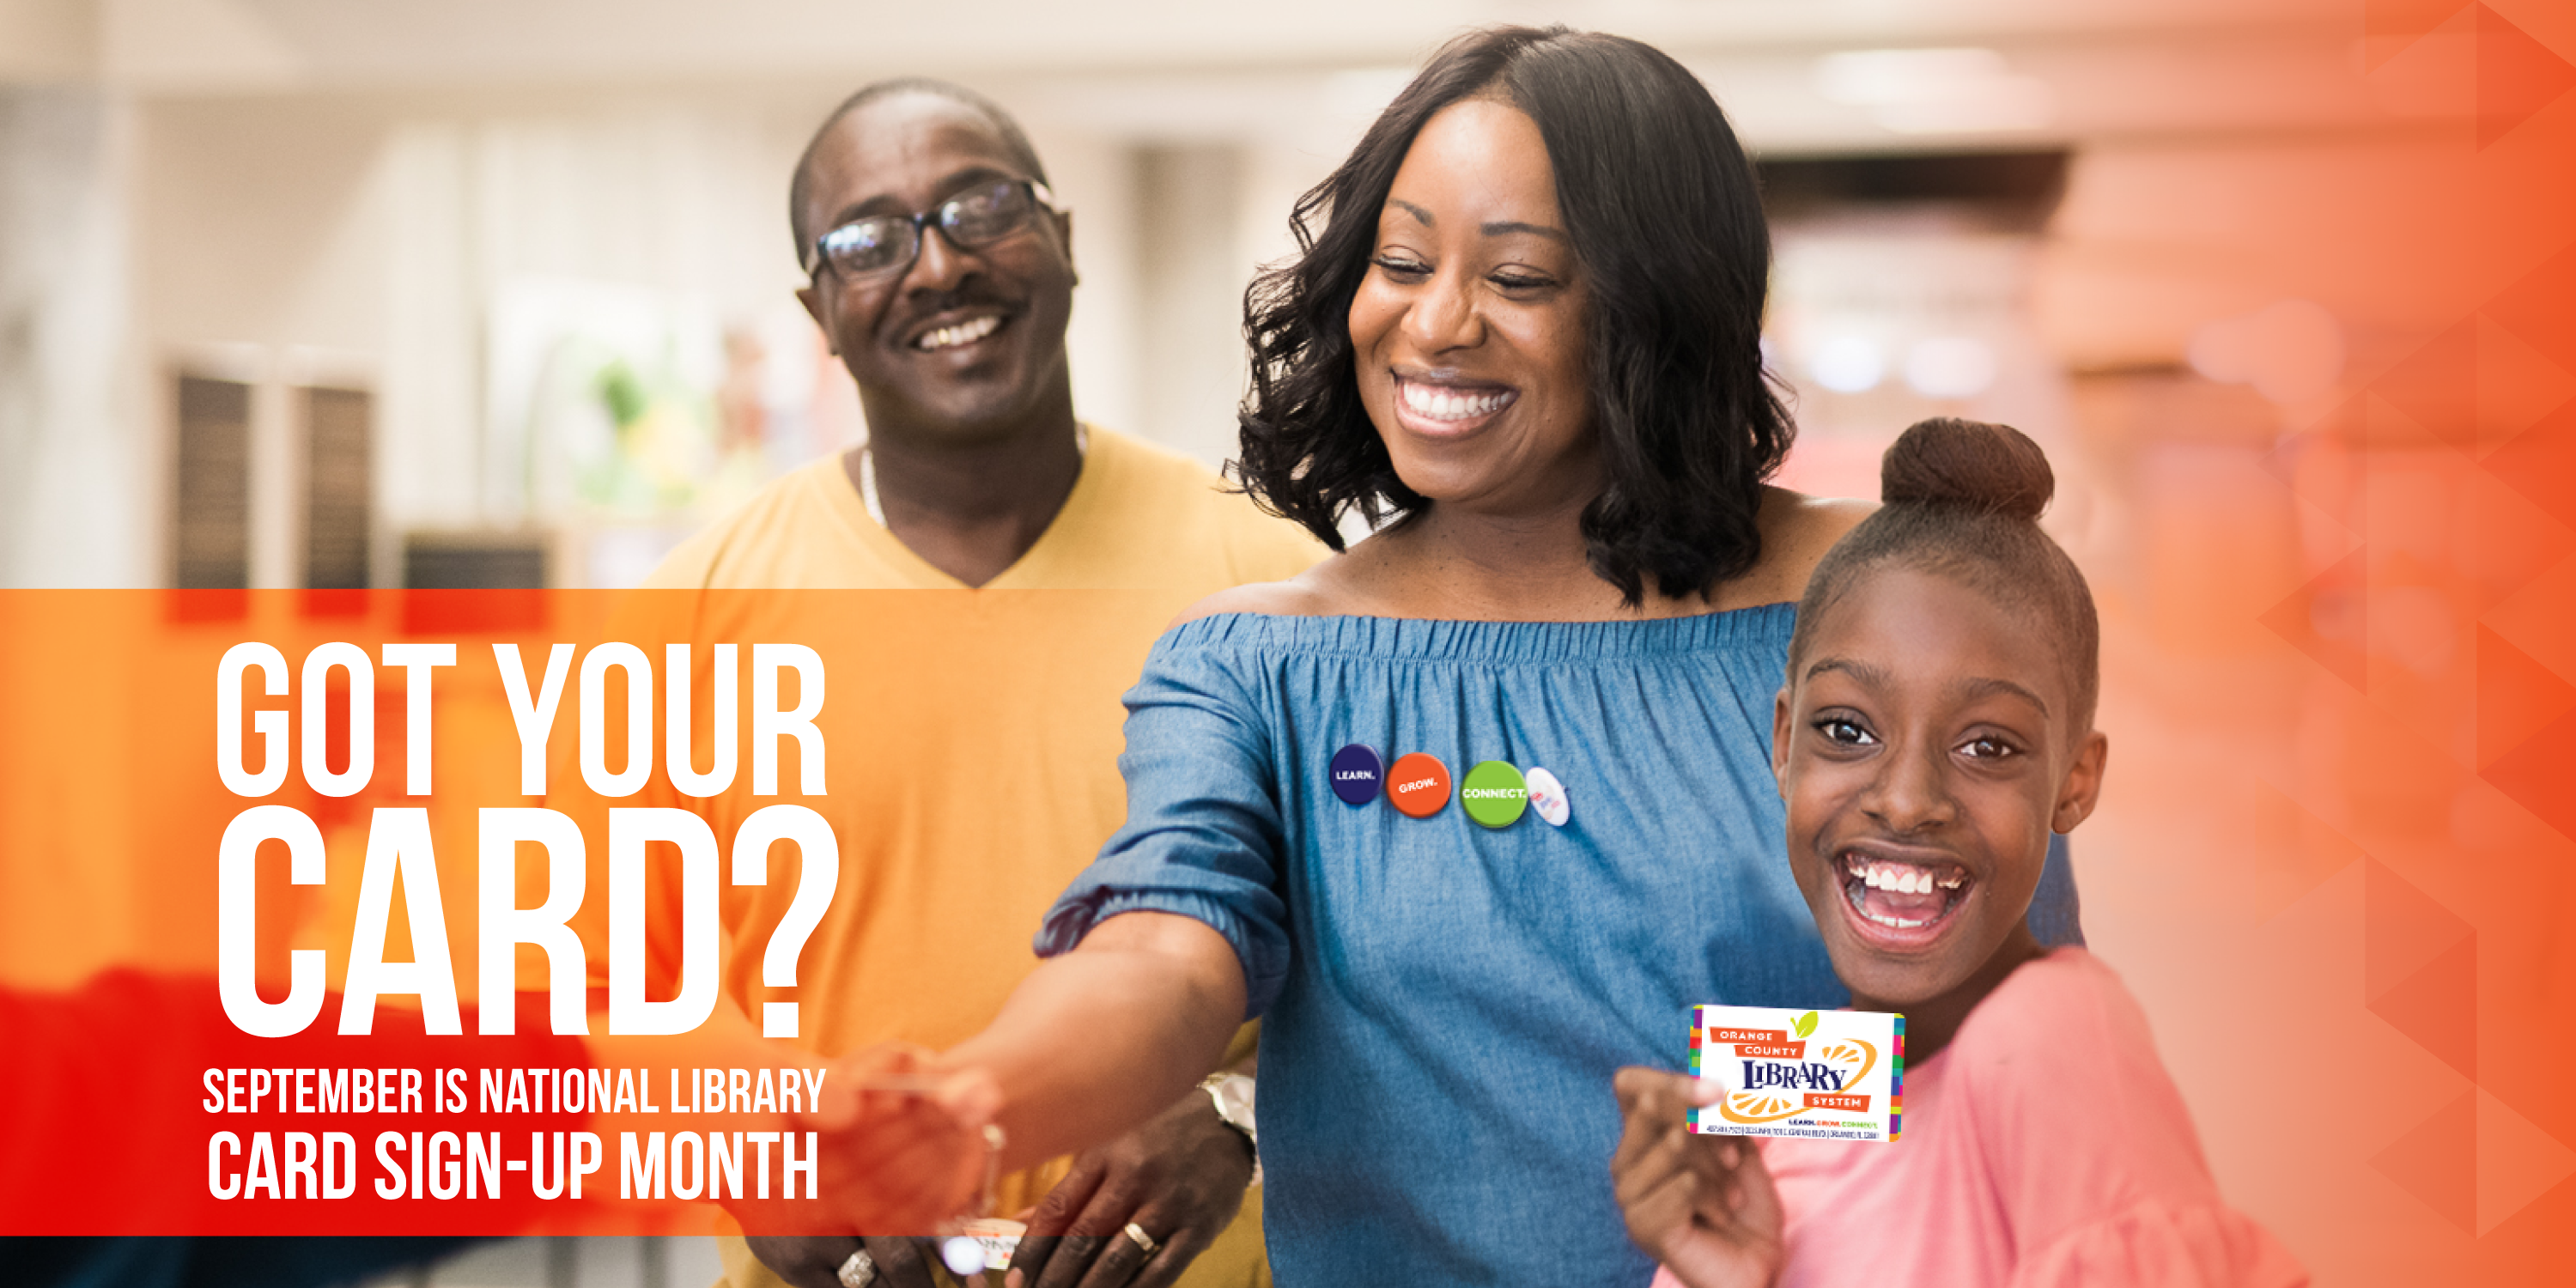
(1936, 726)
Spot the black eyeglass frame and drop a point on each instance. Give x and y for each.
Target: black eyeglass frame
(923, 221)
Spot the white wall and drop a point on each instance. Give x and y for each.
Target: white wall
(77, 488)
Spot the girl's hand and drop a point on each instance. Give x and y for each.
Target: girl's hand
(1702, 1205)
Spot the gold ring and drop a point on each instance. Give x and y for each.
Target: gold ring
(1143, 1240)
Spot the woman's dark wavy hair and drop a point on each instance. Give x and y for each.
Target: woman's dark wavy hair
(1666, 220)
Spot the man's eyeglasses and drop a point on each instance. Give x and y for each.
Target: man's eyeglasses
(880, 244)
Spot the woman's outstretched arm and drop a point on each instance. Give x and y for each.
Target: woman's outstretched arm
(1100, 1039)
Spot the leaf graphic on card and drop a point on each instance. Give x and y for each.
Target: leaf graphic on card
(1806, 1024)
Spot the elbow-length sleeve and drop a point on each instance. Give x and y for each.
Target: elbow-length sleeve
(1204, 835)
(2163, 1244)
(2093, 1151)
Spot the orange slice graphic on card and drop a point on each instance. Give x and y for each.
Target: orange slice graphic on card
(1852, 1056)
(1763, 1106)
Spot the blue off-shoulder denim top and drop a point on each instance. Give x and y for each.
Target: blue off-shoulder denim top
(1445, 1003)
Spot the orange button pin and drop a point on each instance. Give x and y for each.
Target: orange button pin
(1418, 784)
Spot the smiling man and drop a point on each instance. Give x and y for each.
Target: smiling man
(941, 272)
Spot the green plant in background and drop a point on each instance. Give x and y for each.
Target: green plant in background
(664, 443)
(623, 392)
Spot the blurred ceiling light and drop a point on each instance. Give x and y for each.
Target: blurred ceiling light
(1847, 364)
(1888, 77)
(1937, 91)
(1950, 366)
(2290, 351)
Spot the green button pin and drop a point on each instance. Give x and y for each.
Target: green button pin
(1494, 794)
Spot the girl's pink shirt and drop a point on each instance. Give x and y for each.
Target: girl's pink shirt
(2044, 1147)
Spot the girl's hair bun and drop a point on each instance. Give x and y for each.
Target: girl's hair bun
(1969, 463)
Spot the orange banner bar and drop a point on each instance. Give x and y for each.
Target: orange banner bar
(1748, 1035)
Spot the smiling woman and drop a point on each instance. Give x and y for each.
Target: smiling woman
(1603, 223)
(1467, 336)
(1523, 334)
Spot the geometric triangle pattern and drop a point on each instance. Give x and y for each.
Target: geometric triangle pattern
(2321, 464)
(2420, 968)
(2492, 380)
(2294, 852)
(2437, 385)
(2503, 547)
(2517, 698)
(2517, 76)
(2437, 1006)
(2517, 1162)
(2535, 308)
(2517, 384)
(2328, 619)
(2540, 774)
(2476, 385)
(2398, 21)
(2403, 930)
(2540, 463)
(2438, 1161)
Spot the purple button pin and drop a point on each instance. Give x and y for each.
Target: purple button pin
(1357, 774)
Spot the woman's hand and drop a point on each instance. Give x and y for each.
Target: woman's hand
(903, 1150)
(1702, 1205)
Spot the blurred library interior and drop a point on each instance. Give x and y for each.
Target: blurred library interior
(419, 294)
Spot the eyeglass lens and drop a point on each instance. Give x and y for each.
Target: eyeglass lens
(970, 219)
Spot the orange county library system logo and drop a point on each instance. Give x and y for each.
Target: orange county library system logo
(1836, 1075)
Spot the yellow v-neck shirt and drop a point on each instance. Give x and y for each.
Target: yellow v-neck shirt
(971, 734)
(1138, 518)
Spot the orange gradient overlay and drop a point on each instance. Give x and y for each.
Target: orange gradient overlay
(2340, 673)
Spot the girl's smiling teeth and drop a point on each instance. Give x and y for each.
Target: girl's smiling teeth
(1452, 403)
(957, 333)
(1901, 896)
